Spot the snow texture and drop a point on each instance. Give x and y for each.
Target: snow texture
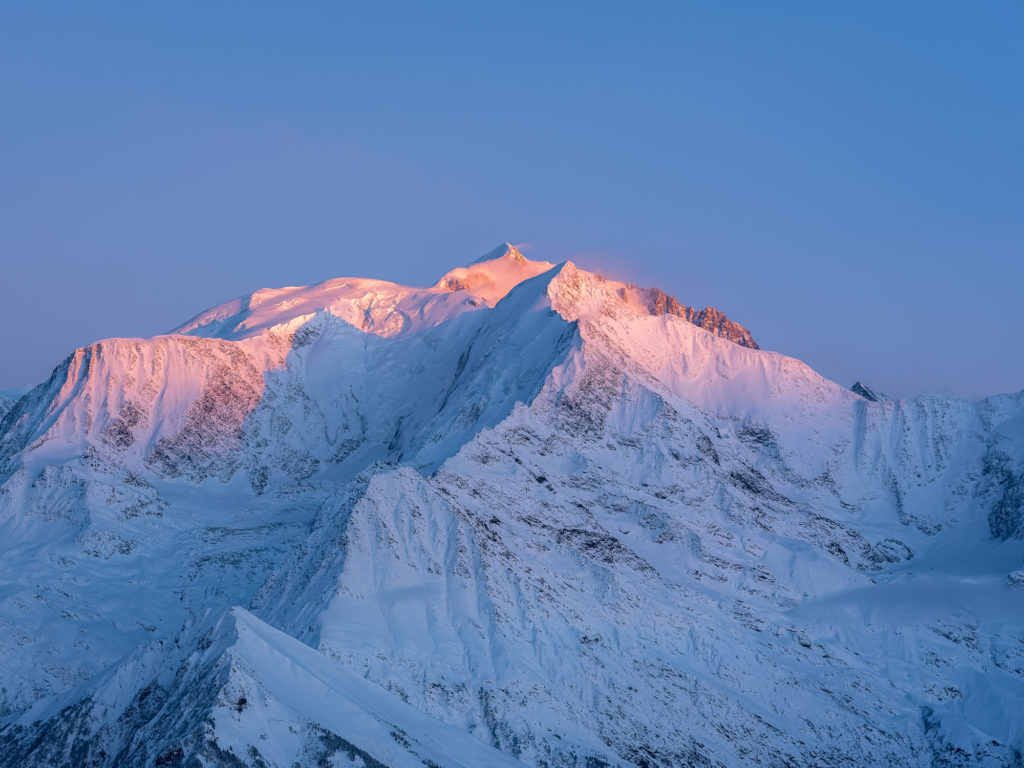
(526, 516)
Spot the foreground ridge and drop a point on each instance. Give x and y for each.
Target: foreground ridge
(524, 516)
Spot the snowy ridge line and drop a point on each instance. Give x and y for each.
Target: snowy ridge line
(389, 309)
(316, 690)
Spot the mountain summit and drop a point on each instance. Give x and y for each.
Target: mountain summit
(389, 309)
(505, 251)
(525, 516)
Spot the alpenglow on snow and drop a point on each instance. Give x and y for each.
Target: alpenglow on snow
(528, 516)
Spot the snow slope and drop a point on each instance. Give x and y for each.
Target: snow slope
(525, 516)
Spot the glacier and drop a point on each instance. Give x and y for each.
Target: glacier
(525, 516)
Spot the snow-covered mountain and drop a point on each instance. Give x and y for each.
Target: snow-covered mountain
(526, 516)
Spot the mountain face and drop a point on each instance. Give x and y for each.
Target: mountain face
(8, 398)
(527, 516)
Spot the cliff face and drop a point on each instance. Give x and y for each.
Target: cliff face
(709, 318)
(566, 525)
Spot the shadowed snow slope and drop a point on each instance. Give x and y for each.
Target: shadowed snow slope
(527, 516)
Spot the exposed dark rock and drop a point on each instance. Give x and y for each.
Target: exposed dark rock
(709, 318)
(867, 393)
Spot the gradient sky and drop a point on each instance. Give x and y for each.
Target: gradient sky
(846, 179)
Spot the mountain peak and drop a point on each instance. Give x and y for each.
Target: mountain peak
(494, 274)
(504, 251)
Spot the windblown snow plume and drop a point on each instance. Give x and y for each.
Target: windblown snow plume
(526, 516)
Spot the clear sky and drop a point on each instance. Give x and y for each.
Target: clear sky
(844, 178)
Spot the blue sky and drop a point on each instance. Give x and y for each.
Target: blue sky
(846, 179)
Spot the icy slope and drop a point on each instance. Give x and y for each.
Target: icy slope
(528, 510)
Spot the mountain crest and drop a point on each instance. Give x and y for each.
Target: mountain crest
(389, 309)
(494, 274)
(504, 251)
(581, 292)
